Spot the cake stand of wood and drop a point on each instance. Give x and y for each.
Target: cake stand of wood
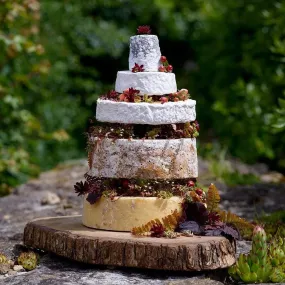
(67, 237)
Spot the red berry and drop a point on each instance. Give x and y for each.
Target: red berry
(169, 68)
(163, 58)
(163, 100)
(161, 69)
(125, 183)
(190, 183)
(199, 191)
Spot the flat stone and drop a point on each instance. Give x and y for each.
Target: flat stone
(4, 268)
(50, 199)
(18, 268)
(272, 177)
(196, 281)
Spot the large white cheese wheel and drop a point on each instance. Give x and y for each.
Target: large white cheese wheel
(125, 213)
(146, 113)
(150, 83)
(148, 159)
(144, 50)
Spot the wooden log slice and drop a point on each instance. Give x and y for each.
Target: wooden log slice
(67, 237)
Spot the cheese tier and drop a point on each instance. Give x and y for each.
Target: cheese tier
(144, 50)
(125, 213)
(147, 159)
(146, 113)
(150, 83)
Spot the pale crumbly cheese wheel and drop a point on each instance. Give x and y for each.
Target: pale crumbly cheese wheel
(144, 50)
(150, 83)
(146, 159)
(125, 213)
(146, 113)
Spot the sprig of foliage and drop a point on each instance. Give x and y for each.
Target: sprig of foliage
(126, 131)
(112, 187)
(245, 228)
(213, 198)
(169, 222)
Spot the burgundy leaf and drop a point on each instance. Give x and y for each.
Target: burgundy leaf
(157, 230)
(192, 226)
(81, 188)
(93, 197)
(196, 212)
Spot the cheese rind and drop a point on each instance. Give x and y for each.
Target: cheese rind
(144, 50)
(150, 83)
(146, 113)
(125, 213)
(146, 159)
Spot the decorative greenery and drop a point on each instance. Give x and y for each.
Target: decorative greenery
(213, 198)
(264, 262)
(245, 228)
(156, 230)
(197, 219)
(143, 30)
(110, 188)
(131, 95)
(125, 131)
(157, 227)
(203, 217)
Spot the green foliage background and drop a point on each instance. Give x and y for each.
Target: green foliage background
(56, 57)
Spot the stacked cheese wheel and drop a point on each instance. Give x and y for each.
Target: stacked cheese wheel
(141, 158)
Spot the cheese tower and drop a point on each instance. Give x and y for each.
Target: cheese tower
(135, 178)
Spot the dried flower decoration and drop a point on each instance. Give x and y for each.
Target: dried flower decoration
(110, 95)
(213, 218)
(130, 95)
(165, 67)
(138, 68)
(157, 230)
(143, 30)
(81, 188)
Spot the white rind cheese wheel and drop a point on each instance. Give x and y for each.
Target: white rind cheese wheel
(150, 83)
(144, 50)
(125, 213)
(146, 159)
(146, 113)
